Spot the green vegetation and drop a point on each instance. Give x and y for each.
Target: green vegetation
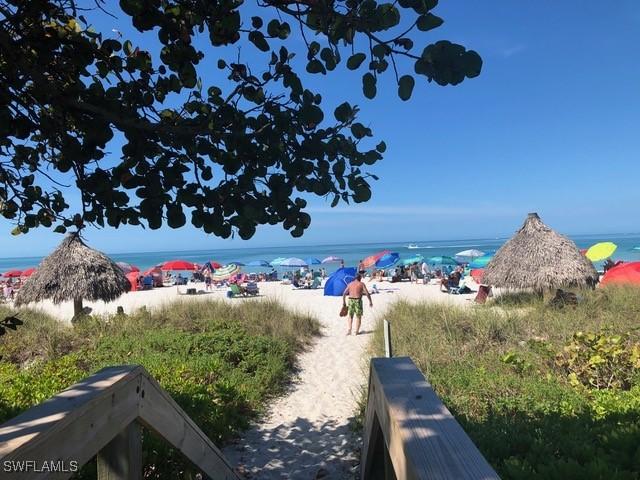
(221, 363)
(544, 392)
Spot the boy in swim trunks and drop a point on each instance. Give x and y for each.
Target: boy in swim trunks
(354, 292)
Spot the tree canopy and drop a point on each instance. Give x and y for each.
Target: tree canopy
(226, 157)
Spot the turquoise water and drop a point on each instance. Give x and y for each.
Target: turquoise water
(351, 253)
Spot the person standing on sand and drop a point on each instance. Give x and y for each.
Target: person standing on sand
(354, 291)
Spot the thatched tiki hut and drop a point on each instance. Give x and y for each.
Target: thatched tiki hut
(540, 259)
(74, 272)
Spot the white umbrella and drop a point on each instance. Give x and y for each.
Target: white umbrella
(472, 253)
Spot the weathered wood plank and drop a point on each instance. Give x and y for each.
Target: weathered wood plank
(160, 413)
(73, 425)
(423, 439)
(121, 458)
(79, 422)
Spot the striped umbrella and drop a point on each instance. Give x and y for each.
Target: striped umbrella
(387, 260)
(334, 259)
(371, 260)
(225, 272)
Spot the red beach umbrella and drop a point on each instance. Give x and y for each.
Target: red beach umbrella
(127, 267)
(215, 264)
(371, 260)
(624, 274)
(477, 274)
(178, 265)
(28, 272)
(12, 274)
(133, 280)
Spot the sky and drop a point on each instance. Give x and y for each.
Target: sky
(551, 125)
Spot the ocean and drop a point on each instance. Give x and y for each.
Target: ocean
(351, 253)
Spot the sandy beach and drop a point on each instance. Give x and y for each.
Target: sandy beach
(305, 434)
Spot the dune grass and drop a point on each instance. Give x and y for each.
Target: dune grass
(517, 377)
(220, 362)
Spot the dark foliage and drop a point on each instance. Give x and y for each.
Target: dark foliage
(227, 157)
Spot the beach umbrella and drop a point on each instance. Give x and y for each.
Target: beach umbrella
(624, 274)
(277, 261)
(133, 280)
(213, 264)
(178, 265)
(539, 258)
(371, 260)
(477, 274)
(12, 274)
(258, 263)
(28, 272)
(471, 253)
(312, 261)
(338, 281)
(442, 260)
(481, 262)
(601, 251)
(293, 262)
(74, 272)
(240, 264)
(332, 259)
(413, 259)
(387, 260)
(225, 272)
(127, 268)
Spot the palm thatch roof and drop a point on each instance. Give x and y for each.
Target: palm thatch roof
(74, 272)
(541, 259)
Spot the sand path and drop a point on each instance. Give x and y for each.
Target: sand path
(305, 434)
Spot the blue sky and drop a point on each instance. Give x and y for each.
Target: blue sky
(551, 125)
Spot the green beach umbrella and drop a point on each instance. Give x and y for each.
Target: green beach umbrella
(225, 272)
(442, 261)
(481, 262)
(413, 259)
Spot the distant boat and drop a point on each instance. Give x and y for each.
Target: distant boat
(412, 246)
(637, 248)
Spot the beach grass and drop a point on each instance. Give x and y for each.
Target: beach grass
(220, 362)
(525, 379)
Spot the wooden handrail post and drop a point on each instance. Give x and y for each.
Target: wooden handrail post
(387, 339)
(121, 458)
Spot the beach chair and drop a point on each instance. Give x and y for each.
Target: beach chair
(237, 290)
(252, 289)
(483, 293)
(147, 282)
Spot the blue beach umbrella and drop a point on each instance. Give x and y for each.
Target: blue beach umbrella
(387, 260)
(277, 261)
(240, 264)
(338, 281)
(411, 260)
(442, 261)
(258, 263)
(312, 261)
(293, 262)
(481, 262)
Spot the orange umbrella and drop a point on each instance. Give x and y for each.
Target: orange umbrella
(623, 274)
(371, 260)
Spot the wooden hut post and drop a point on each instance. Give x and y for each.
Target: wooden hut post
(77, 307)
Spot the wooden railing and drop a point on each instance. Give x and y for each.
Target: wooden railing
(410, 434)
(102, 416)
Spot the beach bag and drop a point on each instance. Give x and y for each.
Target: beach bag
(344, 310)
